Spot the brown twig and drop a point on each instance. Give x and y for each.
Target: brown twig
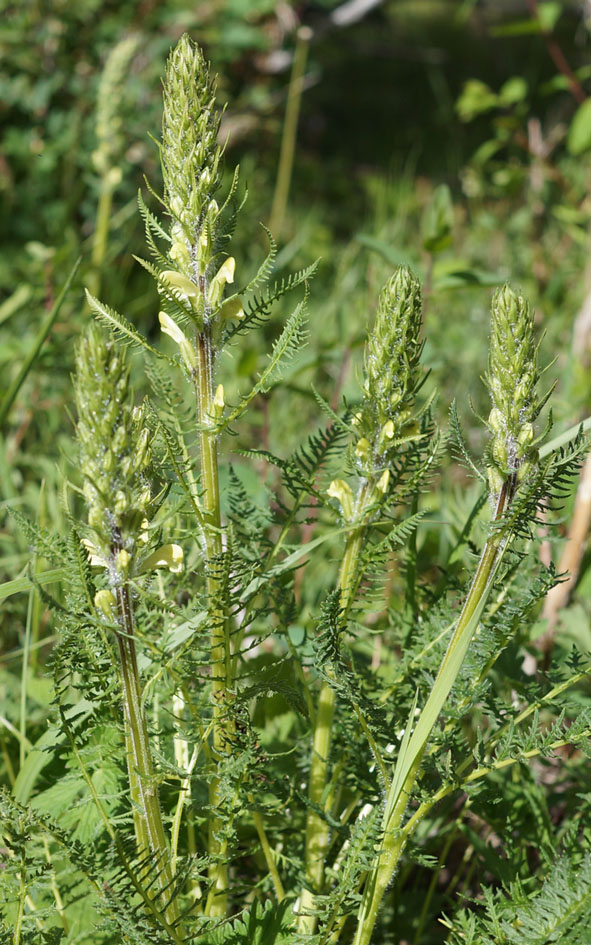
(559, 59)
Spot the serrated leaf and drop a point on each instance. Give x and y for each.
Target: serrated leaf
(121, 326)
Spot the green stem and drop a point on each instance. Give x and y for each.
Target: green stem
(220, 649)
(27, 364)
(267, 853)
(386, 863)
(101, 236)
(317, 829)
(24, 680)
(394, 839)
(141, 770)
(290, 127)
(21, 897)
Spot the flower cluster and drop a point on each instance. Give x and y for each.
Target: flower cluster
(511, 380)
(115, 458)
(109, 123)
(386, 418)
(190, 158)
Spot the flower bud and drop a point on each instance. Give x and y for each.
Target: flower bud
(115, 453)
(391, 372)
(511, 379)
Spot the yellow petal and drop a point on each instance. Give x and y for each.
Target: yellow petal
(170, 327)
(96, 560)
(383, 481)
(341, 490)
(218, 401)
(363, 448)
(226, 271)
(224, 274)
(104, 601)
(232, 309)
(168, 556)
(180, 282)
(122, 562)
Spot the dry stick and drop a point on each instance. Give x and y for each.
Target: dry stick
(570, 560)
(580, 525)
(559, 59)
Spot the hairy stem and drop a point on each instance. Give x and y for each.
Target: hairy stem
(220, 651)
(143, 787)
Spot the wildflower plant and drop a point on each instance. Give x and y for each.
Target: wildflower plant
(250, 765)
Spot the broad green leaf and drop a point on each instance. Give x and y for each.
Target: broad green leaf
(563, 438)
(394, 255)
(35, 761)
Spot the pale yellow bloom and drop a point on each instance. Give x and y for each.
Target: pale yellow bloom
(225, 274)
(170, 328)
(341, 490)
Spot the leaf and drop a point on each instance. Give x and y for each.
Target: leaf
(22, 584)
(438, 220)
(33, 765)
(457, 435)
(476, 99)
(36, 347)
(289, 562)
(266, 266)
(290, 340)
(549, 14)
(450, 667)
(392, 254)
(121, 326)
(457, 274)
(564, 438)
(579, 134)
(514, 90)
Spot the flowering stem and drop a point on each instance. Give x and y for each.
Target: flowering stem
(143, 787)
(394, 839)
(217, 902)
(317, 830)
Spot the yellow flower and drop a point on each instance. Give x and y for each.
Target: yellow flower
(225, 274)
(170, 328)
(341, 490)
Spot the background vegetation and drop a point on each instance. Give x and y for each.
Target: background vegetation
(451, 136)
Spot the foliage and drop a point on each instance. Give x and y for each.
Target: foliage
(272, 663)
